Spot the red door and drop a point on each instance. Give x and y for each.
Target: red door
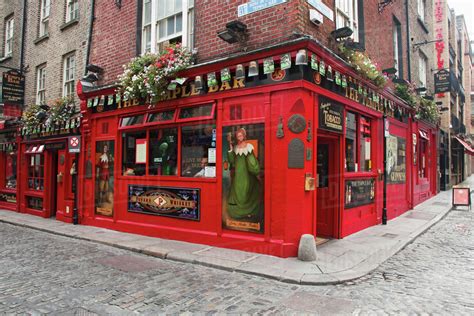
(61, 181)
(328, 188)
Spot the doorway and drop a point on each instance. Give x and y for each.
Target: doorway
(328, 195)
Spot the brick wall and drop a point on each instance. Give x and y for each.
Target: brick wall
(113, 38)
(50, 51)
(265, 27)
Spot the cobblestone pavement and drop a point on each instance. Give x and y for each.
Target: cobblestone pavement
(48, 274)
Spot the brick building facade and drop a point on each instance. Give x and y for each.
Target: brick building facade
(54, 33)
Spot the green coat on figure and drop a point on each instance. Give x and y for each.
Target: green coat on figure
(245, 191)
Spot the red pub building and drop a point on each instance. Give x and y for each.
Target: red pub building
(253, 151)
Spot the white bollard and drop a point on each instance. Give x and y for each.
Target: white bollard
(307, 248)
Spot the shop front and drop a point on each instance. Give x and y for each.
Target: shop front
(48, 171)
(8, 168)
(425, 161)
(245, 162)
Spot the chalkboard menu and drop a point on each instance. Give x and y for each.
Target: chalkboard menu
(359, 192)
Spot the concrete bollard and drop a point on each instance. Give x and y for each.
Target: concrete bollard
(307, 248)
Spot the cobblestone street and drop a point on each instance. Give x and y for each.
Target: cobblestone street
(48, 274)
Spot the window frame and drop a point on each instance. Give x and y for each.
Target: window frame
(397, 47)
(348, 11)
(45, 11)
(72, 10)
(153, 28)
(69, 81)
(41, 89)
(176, 123)
(8, 35)
(422, 69)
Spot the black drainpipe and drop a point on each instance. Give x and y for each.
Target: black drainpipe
(89, 37)
(408, 40)
(23, 34)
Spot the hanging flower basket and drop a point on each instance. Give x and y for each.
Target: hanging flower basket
(148, 76)
(48, 117)
(363, 65)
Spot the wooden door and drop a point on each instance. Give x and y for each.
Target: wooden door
(328, 188)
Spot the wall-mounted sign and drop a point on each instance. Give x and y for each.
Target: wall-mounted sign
(321, 7)
(182, 203)
(74, 144)
(256, 5)
(359, 192)
(396, 159)
(331, 115)
(13, 87)
(442, 81)
(296, 154)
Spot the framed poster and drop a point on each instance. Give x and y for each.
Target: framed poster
(140, 151)
(396, 159)
(243, 177)
(104, 174)
(182, 203)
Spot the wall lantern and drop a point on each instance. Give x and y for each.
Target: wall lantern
(198, 83)
(390, 71)
(428, 97)
(349, 43)
(398, 80)
(342, 32)
(234, 32)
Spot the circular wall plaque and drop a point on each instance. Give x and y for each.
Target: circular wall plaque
(297, 123)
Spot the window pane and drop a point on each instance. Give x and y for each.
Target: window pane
(196, 143)
(170, 26)
(132, 120)
(365, 145)
(129, 146)
(161, 116)
(197, 111)
(10, 170)
(104, 183)
(162, 29)
(179, 23)
(351, 139)
(147, 12)
(163, 153)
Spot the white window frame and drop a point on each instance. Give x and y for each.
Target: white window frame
(422, 67)
(44, 17)
(69, 74)
(41, 84)
(421, 9)
(396, 60)
(152, 30)
(72, 10)
(347, 15)
(9, 27)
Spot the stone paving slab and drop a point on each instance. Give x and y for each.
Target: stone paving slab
(338, 260)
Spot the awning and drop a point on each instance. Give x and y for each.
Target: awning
(467, 148)
(35, 149)
(424, 135)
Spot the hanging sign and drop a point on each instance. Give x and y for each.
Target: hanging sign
(13, 87)
(74, 144)
(442, 81)
(182, 203)
(256, 5)
(331, 115)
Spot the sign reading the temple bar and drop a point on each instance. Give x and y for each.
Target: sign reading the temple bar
(13, 87)
(331, 115)
(179, 203)
(359, 192)
(442, 81)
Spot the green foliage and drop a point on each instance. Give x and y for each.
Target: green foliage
(60, 111)
(148, 76)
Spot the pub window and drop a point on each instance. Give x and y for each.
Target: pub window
(132, 120)
(423, 159)
(159, 117)
(196, 112)
(365, 145)
(163, 153)
(351, 142)
(10, 170)
(134, 153)
(358, 143)
(36, 172)
(198, 151)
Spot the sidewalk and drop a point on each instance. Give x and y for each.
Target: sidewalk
(339, 260)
